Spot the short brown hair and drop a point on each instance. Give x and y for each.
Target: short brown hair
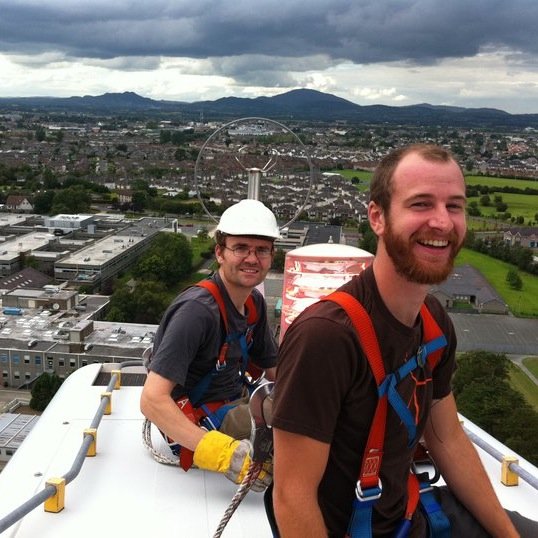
(220, 238)
(381, 183)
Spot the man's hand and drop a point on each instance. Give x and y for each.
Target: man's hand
(221, 453)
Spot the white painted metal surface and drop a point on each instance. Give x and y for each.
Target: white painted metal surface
(123, 491)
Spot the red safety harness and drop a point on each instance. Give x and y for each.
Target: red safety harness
(252, 318)
(211, 414)
(369, 487)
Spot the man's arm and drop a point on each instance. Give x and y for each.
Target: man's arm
(299, 464)
(158, 407)
(270, 373)
(462, 469)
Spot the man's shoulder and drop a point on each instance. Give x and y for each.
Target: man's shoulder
(193, 298)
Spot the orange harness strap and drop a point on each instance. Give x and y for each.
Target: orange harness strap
(369, 485)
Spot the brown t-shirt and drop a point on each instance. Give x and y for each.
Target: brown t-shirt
(325, 390)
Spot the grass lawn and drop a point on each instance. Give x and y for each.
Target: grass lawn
(200, 245)
(532, 364)
(521, 382)
(501, 182)
(521, 303)
(519, 205)
(364, 177)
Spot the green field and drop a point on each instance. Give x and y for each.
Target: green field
(365, 177)
(361, 174)
(521, 303)
(532, 364)
(524, 205)
(501, 182)
(521, 382)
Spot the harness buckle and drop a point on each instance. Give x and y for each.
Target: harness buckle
(422, 355)
(220, 365)
(424, 477)
(369, 494)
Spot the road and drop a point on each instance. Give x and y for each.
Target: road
(518, 361)
(7, 395)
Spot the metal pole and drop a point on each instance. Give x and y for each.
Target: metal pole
(254, 180)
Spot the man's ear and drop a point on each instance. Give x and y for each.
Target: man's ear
(376, 217)
(218, 253)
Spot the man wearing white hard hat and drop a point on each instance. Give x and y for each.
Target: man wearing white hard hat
(195, 388)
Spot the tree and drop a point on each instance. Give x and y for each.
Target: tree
(368, 241)
(29, 261)
(43, 202)
(165, 137)
(43, 390)
(479, 366)
(146, 304)
(71, 200)
(278, 260)
(40, 133)
(514, 280)
(168, 260)
(140, 200)
(484, 395)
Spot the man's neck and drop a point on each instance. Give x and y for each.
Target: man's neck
(402, 297)
(238, 295)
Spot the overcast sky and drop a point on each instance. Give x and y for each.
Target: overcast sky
(472, 53)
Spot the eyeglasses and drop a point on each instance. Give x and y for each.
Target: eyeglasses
(243, 251)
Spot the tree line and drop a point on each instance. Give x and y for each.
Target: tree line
(484, 395)
(144, 295)
(521, 257)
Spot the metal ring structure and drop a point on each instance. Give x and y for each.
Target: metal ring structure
(269, 165)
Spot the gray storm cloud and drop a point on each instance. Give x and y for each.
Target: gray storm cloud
(369, 31)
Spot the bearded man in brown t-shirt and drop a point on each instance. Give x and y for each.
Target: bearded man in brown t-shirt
(325, 394)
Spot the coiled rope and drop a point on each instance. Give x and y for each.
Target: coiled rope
(157, 456)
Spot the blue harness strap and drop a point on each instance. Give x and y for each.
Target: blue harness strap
(390, 382)
(438, 523)
(360, 524)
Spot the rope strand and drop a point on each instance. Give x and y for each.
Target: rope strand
(251, 476)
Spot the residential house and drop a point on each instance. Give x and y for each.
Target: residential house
(19, 204)
(467, 285)
(524, 236)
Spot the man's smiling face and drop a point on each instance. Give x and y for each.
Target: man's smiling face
(425, 226)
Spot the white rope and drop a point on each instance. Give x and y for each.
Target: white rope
(157, 456)
(251, 476)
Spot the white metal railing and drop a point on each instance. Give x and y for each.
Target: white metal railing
(50, 489)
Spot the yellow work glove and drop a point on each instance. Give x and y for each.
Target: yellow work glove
(221, 453)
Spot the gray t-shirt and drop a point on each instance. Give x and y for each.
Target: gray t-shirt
(190, 336)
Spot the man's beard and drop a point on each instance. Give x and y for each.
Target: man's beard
(411, 267)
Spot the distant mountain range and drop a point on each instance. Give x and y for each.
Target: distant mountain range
(299, 104)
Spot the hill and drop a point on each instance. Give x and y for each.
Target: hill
(300, 104)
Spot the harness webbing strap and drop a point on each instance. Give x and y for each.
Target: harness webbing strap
(432, 331)
(438, 522)
(201, 387)
(369, 486)
(373, 454)
(389, 384)
(252, 318)
(211, 287)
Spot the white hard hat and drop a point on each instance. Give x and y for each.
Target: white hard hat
(249, 217)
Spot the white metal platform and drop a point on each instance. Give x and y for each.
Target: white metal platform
(123, 491)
